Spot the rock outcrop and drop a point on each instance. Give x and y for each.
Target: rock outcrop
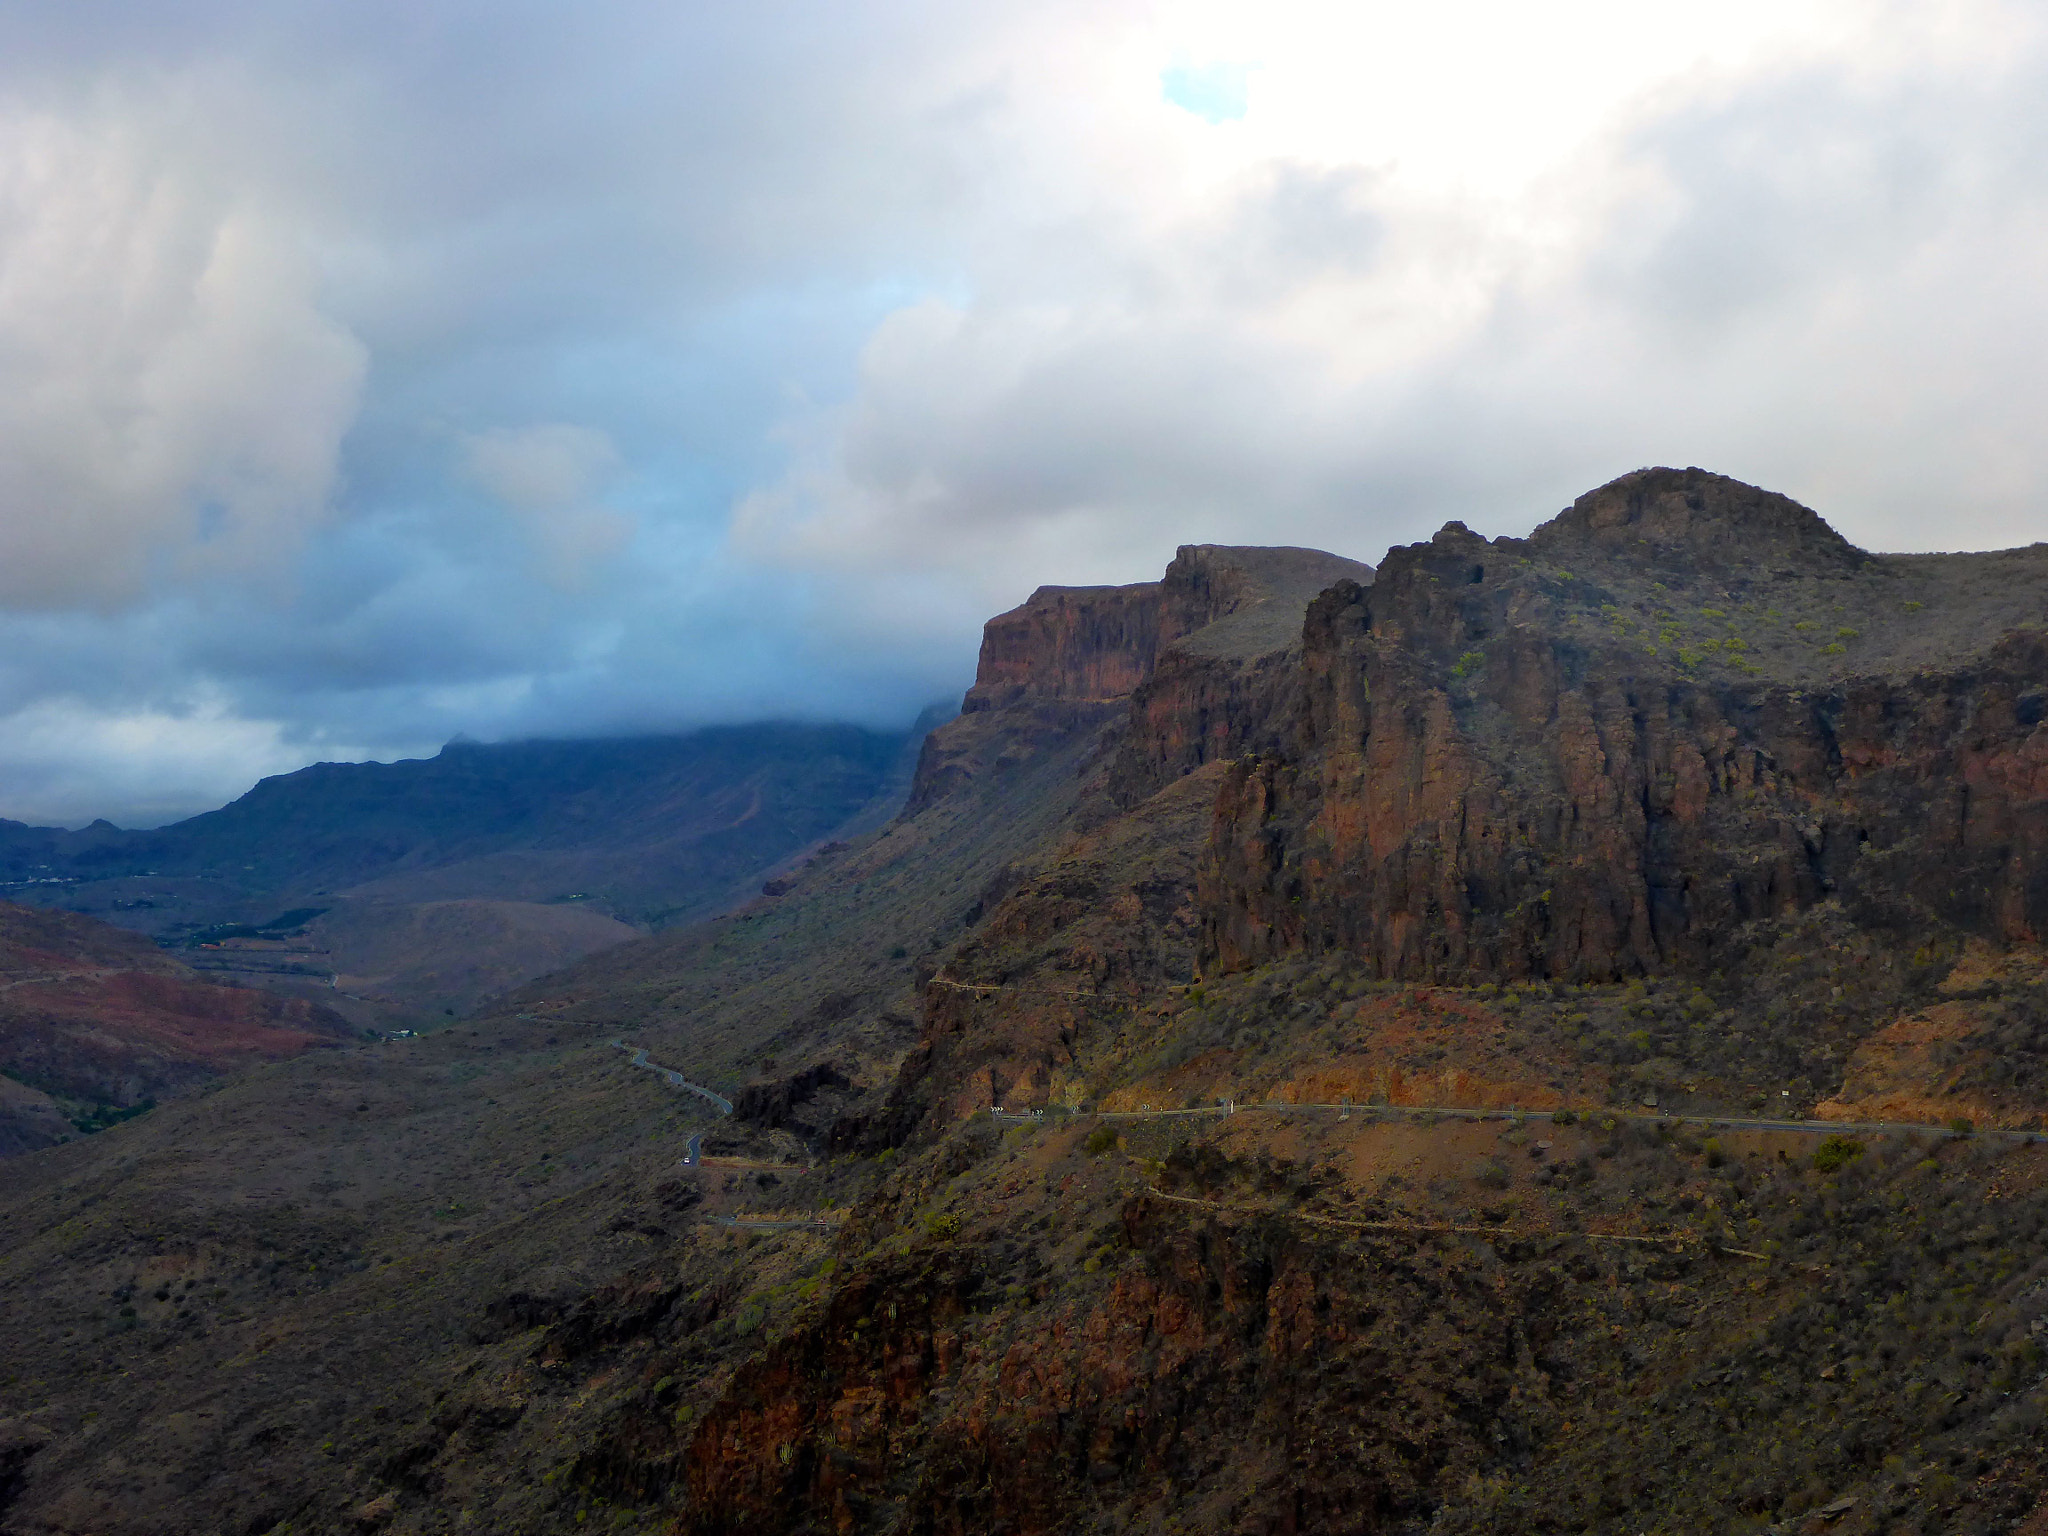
(1192, 660)
(1604, 750)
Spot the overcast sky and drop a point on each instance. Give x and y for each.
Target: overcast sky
(372, 372)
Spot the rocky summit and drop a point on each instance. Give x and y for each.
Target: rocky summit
(1545, 1035)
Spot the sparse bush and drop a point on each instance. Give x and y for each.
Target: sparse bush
(1100, 1140)
(1564, 1117)
(942, 1225)
(1963, 1125)
(1836, 1153)
(1490, 1173)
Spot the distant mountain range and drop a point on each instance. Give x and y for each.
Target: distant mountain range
(430, 883)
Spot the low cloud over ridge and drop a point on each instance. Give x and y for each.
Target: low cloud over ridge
(373, 373)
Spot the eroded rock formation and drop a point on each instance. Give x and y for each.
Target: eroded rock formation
(1607, 748)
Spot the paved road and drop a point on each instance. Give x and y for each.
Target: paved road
(676, 1079)
(1375, 1111)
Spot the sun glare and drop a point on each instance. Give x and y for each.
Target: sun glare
(1479, 97)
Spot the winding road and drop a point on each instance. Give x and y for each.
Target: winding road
(692, 1150)
(676, 1079)
(1375, 1111)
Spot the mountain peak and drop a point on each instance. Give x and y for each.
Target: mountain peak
(1700, 518)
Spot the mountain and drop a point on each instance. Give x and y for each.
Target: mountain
(359, 877)
(1460, 884)
(96, 1024)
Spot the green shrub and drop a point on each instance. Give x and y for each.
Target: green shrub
(1962, 1125)
(943, 1224)
(1491, 1173)
(1100, 1140)
(1836, 1153)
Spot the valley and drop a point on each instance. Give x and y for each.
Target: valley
(403, 893)
(1542, 1036)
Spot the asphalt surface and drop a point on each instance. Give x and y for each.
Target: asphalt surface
(1380, 1111)
(676, 1079)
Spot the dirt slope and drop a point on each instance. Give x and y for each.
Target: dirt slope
(95, 1021)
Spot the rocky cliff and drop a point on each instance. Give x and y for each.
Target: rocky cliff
(1681, 707)
(1188, 658)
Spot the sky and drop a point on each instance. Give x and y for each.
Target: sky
(373, 373)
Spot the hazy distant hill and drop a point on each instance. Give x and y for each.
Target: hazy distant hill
(563, 847)
(95, 1022)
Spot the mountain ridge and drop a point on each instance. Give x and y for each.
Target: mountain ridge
(560, 847)
(1470, 834)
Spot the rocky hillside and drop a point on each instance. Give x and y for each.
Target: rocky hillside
(1682, 708)
(97, 1024)
(1346, 952)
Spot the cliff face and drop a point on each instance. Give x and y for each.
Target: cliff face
(1101, 643)
(1205, 674)
(1189, 1382)
(1070, 643)
(1190, 660)
(1606, 749)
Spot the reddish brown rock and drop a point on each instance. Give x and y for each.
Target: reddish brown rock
(1197, 655)
(95, 1015)
(1498, 771)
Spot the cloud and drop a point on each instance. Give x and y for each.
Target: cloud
(1216, 93)
(172, 398)
(158, 763)
(374, 372)
(1813, 272)
(549, 477)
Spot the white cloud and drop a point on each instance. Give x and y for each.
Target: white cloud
(1505, 254)
(66, 760)
(375, 371)
(172, 399)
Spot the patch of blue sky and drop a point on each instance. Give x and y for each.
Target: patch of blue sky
(1216, 93)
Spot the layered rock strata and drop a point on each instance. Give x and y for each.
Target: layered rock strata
(1682, 706)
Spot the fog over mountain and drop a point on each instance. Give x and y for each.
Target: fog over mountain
(374, 373)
